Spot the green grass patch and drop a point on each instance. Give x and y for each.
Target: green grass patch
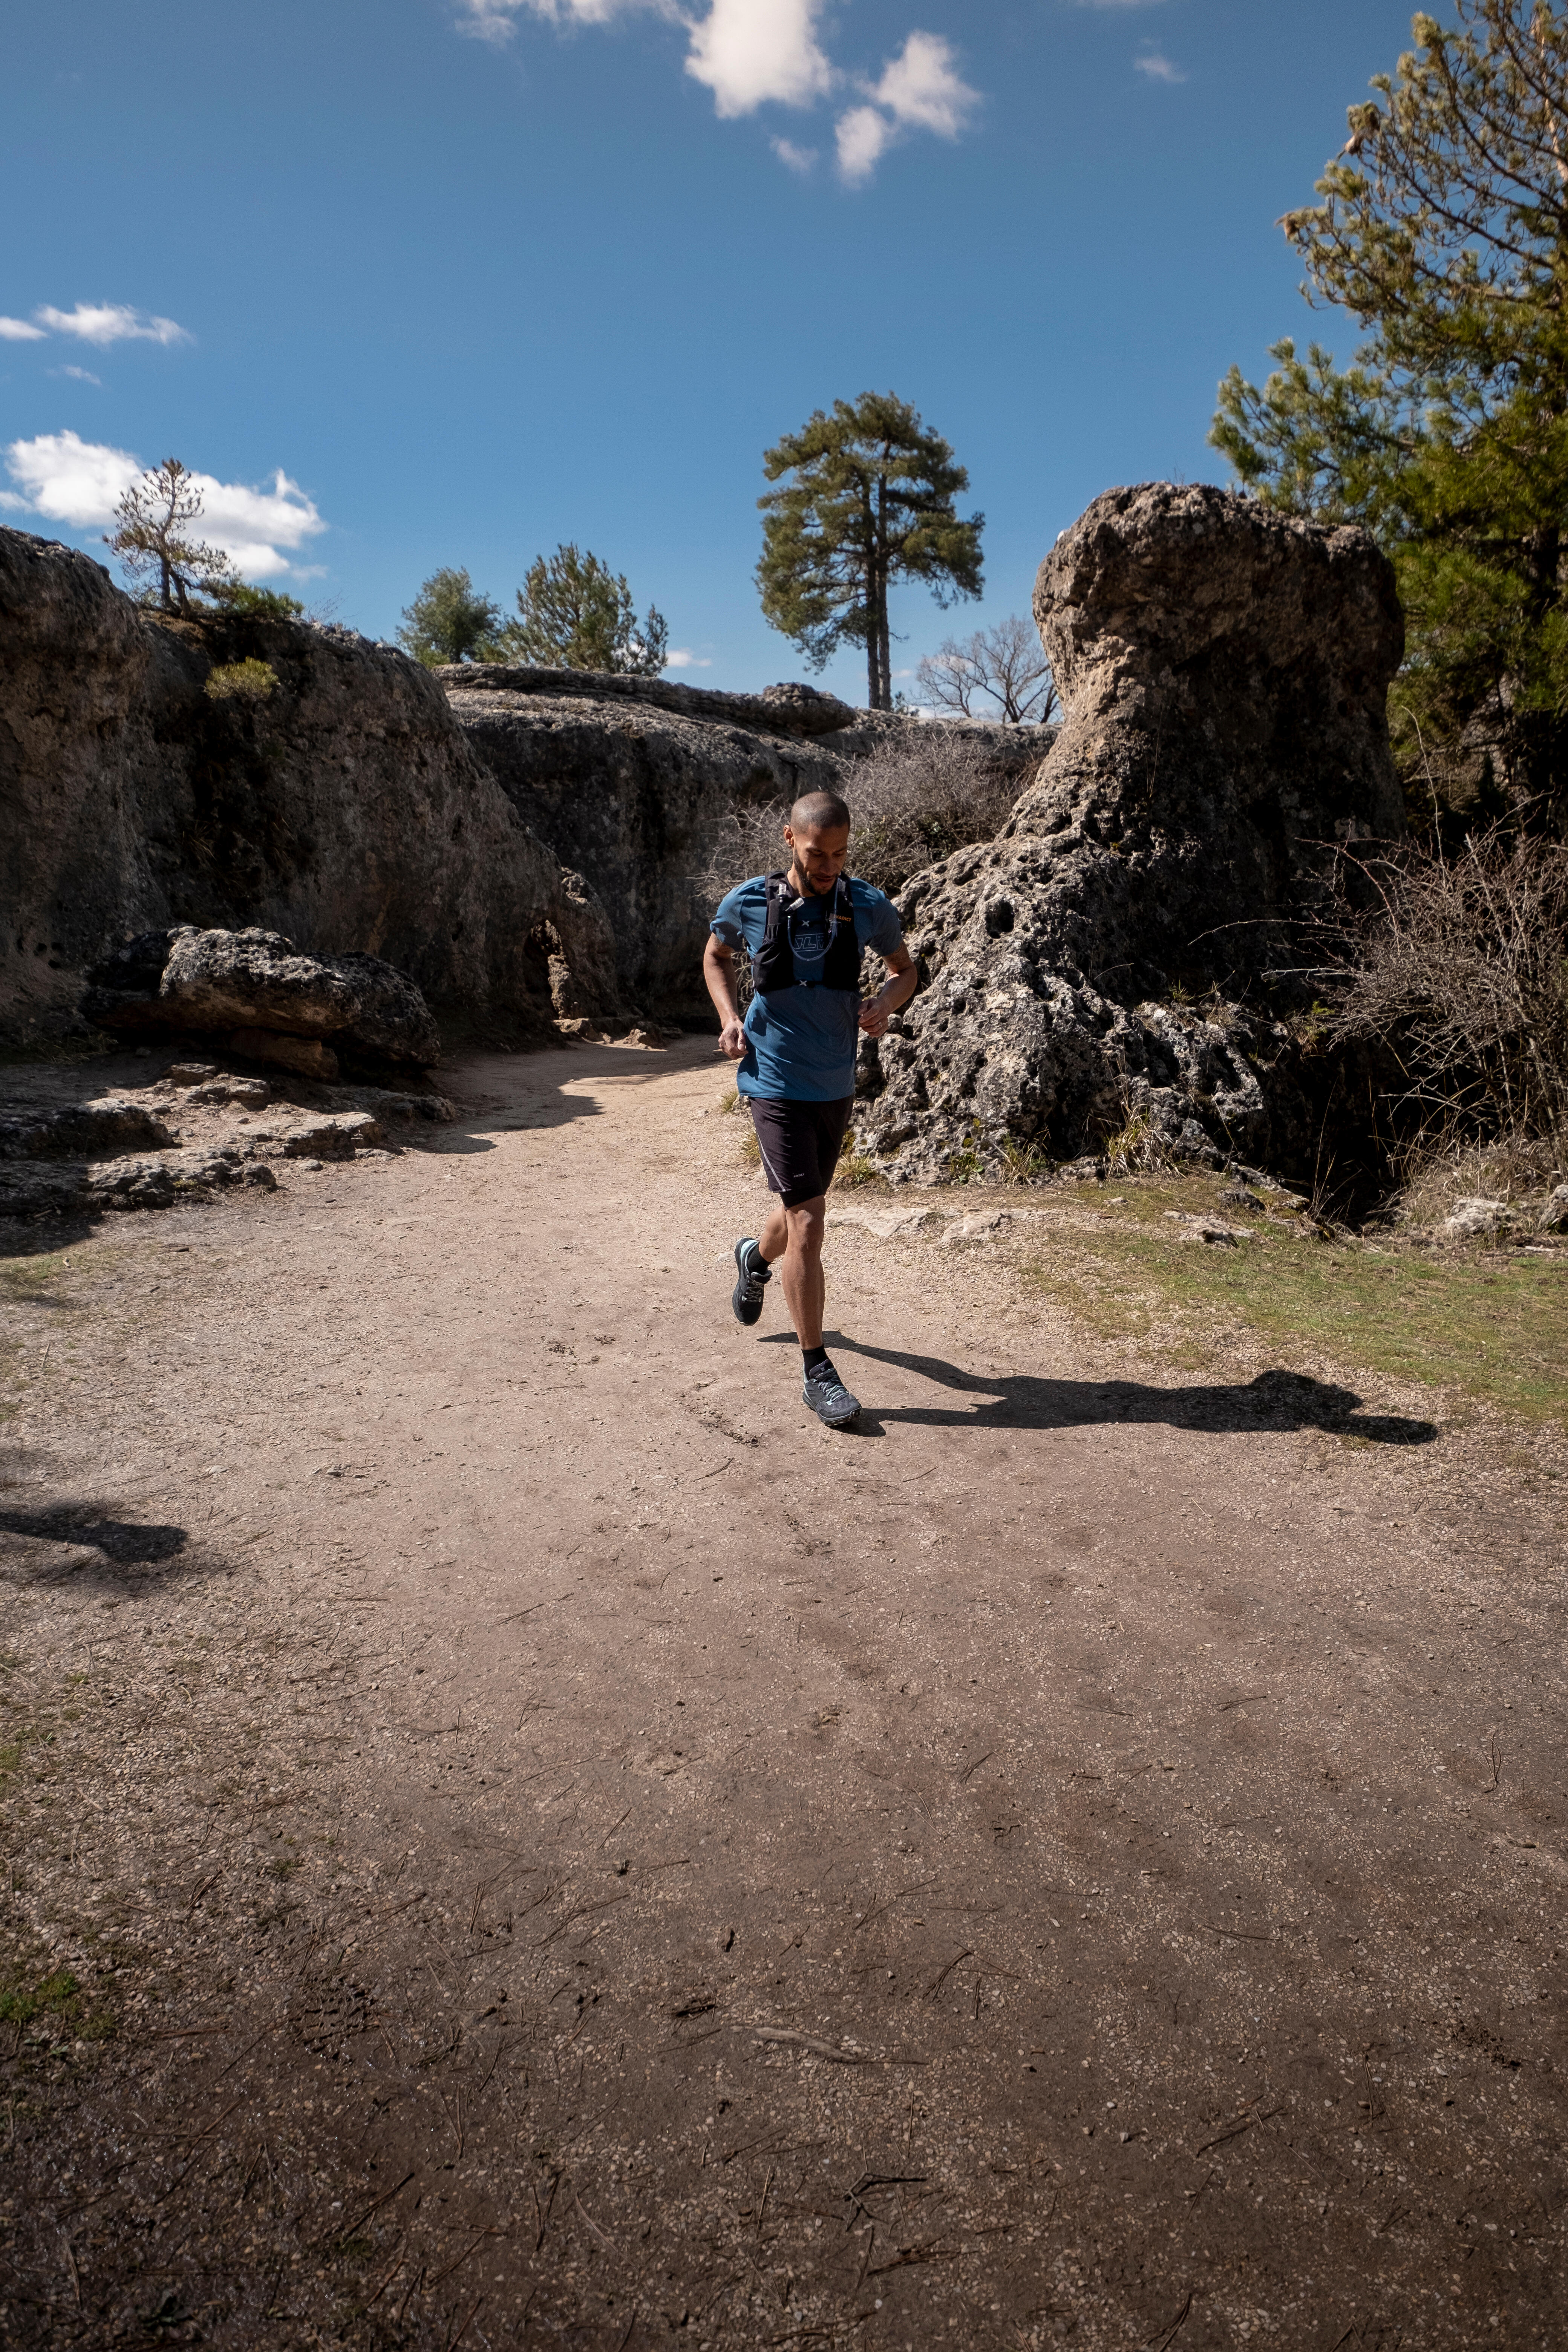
(24, 1279)
(1493, 1326)
(21, 2001)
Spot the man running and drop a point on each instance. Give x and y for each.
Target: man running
(806, 929)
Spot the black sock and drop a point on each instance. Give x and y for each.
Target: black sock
(759, 1263)
(814, 1356)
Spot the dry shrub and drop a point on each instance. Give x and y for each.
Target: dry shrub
(924, 791)
(1441, 1168)
(1460, 971)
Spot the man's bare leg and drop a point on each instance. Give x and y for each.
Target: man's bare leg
(795, 1236)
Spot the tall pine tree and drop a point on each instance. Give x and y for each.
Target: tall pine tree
(1443, 230)
(866, 498)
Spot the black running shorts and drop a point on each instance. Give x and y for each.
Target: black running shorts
(800, 1144)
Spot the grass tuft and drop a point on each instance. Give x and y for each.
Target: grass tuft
(1492, 1325)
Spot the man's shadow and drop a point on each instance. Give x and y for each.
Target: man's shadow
(1275, 1400)
(126, 1544)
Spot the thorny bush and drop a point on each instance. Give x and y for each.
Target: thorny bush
(925, 791)
(1458, 969)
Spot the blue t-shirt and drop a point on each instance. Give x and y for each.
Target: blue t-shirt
(801, 1041)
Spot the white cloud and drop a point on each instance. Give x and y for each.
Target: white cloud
(17, 330)
(921, 88)
(753, 53)
(67, 480)
(496, 20)
(684, 658)
(1158, 66)
(747, 52)
(110, 322)
(80, 483)
(79, 376)
(862, 134)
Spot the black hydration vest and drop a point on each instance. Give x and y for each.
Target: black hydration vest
(772, 966)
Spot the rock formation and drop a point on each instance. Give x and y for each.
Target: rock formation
(1222, 670)
(630, 780)
(267, 1000)
(629, 790)
(172, 1131)
(342, 808)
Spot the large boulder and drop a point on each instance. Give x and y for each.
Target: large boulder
(257, 988)
(1223, 671)
(252, 979)
(343, 807)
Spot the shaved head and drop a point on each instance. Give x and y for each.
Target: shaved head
(819, 813)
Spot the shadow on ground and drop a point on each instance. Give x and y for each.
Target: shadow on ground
(120, 1543)
(1274, 1400)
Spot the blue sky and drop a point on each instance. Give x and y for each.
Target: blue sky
(474, 277)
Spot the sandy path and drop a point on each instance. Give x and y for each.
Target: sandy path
(1079, 1860)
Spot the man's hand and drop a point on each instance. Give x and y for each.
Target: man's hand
(897, 989)
(732, 1040)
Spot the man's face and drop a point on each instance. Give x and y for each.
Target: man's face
(820, 854)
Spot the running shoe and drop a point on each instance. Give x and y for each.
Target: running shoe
(751, 1275)
(828, 1398)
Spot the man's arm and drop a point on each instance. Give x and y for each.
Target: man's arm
(719, 976)
(896, 990)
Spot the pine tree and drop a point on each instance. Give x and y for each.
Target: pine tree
(869, 499)
(450, 621)
(574, 612)
(150, 536)
(1444, 232)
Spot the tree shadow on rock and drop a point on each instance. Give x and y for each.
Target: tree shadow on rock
(1276, 1400)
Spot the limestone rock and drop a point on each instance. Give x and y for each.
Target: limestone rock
(347, 812)
(393, 1018)
(1222, 670)
(253, 1094)
(1554, 1218)
(90, 1130)
(333, 1138)
(1471, 1218)
(253, 979)
(270, 1001)
(129, 1184)
(778, 711)
(306, 1056)
(632, 782)
(629, 790)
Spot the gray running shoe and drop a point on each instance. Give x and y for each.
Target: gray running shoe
(751, 1274)
(828, 1398)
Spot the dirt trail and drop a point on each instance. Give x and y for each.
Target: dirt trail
(576, 1854)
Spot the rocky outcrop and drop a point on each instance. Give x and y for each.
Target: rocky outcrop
(145, 1131)
(790, 709)
(1222, 670)
(631, 781)
(631, 792)
(255, 989)
(343, 807)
